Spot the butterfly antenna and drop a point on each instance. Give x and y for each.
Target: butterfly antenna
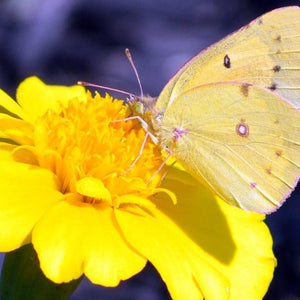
(84, 83)
(128, 54)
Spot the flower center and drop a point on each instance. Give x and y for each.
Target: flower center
(93, 156)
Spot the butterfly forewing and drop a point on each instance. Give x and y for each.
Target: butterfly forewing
(265, 53)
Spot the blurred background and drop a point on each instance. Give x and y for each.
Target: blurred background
(63, 41)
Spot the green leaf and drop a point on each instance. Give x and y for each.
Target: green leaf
(22, 279)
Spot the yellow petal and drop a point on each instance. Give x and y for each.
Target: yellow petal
(6, 150)
(45, 97)
(15, 129)
(26, 193)
(253, 258)
(10, 107)
(171, 195)
(185, 272)
(25, 154)
(202, 247)
(134, 199)
(75, 238)
(94, 188)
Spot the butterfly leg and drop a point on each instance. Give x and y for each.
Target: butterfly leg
(148, 134)
(139, 155)
(145, 126)
(161, 166)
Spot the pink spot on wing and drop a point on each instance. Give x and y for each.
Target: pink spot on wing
(242, 129)
(253, 184)
(178, 133)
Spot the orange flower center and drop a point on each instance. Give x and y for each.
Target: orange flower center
(93, 156)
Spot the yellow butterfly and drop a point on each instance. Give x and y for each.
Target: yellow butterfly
(226, 118)
(230, 117)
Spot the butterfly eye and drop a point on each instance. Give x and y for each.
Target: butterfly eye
(138, 107)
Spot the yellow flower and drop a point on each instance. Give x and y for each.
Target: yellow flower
(67, 187)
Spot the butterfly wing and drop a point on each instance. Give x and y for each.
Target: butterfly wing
(241, 141)
(265, 53)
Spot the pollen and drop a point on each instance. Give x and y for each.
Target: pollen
(91, 155)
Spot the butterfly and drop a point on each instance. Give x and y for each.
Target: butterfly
(229, 116)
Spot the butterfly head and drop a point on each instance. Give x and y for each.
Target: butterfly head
(143, 105)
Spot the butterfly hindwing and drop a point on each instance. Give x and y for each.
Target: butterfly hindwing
(241, 141)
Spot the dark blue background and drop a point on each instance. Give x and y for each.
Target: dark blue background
(63, 41)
